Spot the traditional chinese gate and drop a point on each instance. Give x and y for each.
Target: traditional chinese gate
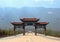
(30, 21)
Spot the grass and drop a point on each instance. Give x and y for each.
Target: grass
(53, 33)
(5, 33)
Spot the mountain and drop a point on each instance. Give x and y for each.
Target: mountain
(51, 15)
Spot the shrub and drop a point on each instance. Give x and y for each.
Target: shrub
(4, 33)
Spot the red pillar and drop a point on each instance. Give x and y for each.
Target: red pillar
(14, 29)
(23, 30)
(44, 29)
(35, 30)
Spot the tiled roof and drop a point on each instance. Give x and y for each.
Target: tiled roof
(16, 23)
(29, 19)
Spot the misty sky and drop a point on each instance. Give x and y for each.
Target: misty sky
(30, 3)
(46, 10)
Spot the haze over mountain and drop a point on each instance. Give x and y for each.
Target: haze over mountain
(51, 15)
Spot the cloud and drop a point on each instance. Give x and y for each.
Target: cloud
(50, 12)
(50, 1)
(11, 3)
(22, 3)
(47, 1)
